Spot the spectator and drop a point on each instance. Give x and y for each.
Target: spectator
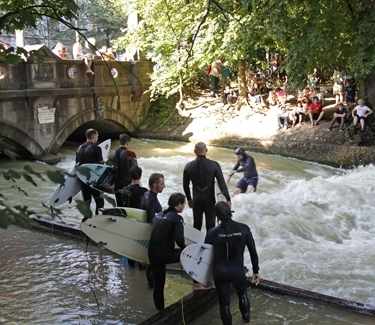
(338, 86)
(360, 113)
(59, 50)
(340, 116)
(350, 91)
(77, 51)
(272, 98)
(283, 117)
(214, 74)
(313, 79)
(298, 114)
(281, 96)
(315, 111)
(230, 96)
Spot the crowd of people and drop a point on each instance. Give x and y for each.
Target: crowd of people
(229, 238)
(305, 106)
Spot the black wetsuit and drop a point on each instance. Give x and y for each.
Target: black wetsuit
(250, 175)
(90, 153)
(151, 204)
(132, 195)
(202, 173)
(229, 240)
(122, 162)
(168, 230)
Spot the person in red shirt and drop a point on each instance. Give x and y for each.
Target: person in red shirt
(315, 111)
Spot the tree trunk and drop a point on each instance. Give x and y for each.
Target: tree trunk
(242, 83)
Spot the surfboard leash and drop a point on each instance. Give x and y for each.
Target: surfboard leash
(182, 311)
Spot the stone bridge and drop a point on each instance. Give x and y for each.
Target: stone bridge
(46, 99)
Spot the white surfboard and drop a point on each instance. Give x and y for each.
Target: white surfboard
(127, 237)
(106, 149)
(197, 261)
(71, 186)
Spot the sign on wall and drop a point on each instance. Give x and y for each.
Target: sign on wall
(46, 115)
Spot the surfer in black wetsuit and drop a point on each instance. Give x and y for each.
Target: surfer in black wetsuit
(168, 230)
(90, 153)
(151, 204)
(229, 240)
(123, 161)
(150, 201)
(202, 173)
(246, 164)
(133, 193)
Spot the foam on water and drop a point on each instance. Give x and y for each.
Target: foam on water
(317, 233)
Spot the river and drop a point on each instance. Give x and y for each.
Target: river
(314, 227)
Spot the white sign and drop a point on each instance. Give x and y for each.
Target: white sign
(46, 115)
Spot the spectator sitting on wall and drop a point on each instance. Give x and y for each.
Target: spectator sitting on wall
(59, 50)
(298, 114)
(283, 117)
(360, 113)
(230, 95)
(254, 98)
(272, 98)
(315, 111)
(340, 116)
(281, 96)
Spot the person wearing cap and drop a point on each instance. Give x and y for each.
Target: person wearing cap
(123, 161)
(246, 164)
(202, 173)
(360, 113)
(229, 240)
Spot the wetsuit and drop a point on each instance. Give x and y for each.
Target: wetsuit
(168, 230)
(132, 195)
(151, 204)
(122, 162)
(229, 240)
(202, 172)
(250, 175)
(90, 153)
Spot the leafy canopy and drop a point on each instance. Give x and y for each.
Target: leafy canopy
(183, 36)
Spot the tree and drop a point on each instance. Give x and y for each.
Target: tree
(183, 36)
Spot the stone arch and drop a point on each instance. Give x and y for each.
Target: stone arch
(76, 121)
(21, 138)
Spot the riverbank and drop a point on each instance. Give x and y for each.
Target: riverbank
(207, 119)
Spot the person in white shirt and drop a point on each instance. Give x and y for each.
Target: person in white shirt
(360, 113)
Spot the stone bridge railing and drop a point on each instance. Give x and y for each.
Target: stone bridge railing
(46, 99)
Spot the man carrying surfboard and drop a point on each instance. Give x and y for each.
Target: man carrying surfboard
(90, 153)
(123, 161)
(229, 240)
(202, 173)
(150, 201)
(168, 230)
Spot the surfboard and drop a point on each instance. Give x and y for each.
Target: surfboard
(106, 149)
(71, 186)
(126, 236)
(97, 176)
(197, 261)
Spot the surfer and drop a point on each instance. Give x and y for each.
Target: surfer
(151, 204)
(246, 164)
(123, 161)
(132, 194)
(229, 239)
(90, 153)
(168, 230)
(149, 201)
(202, 173)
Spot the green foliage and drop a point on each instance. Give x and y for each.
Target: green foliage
(183, 37)
(19, 14)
